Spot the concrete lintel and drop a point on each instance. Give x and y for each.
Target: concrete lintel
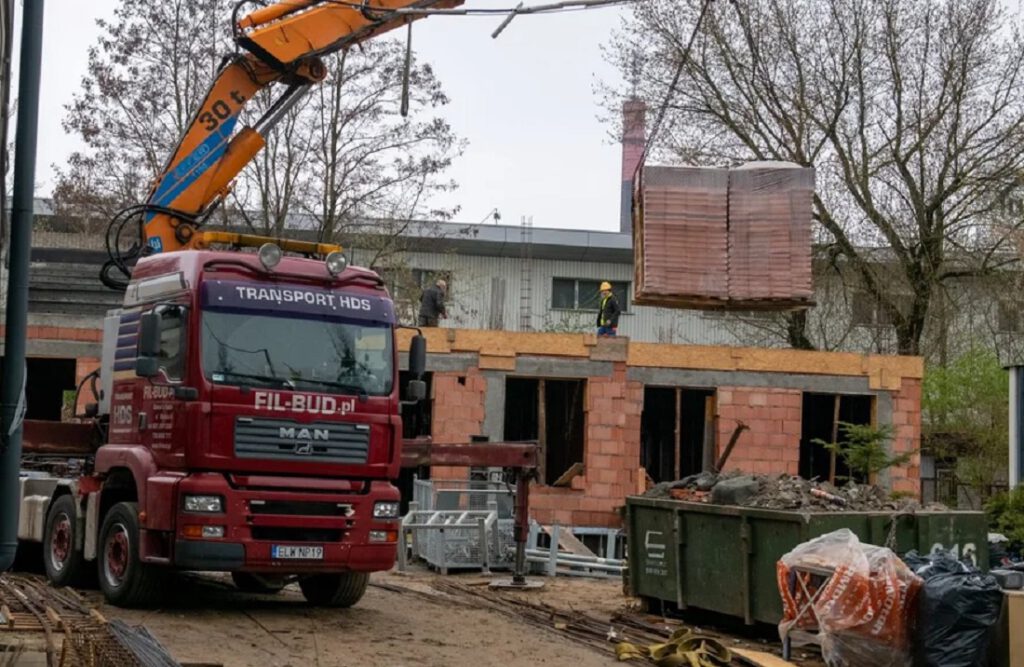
(675, 377)
(551, 367)
(443, 363)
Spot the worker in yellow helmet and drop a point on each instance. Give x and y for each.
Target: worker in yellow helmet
(608, 314)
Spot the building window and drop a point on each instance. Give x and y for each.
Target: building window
(1009, 317)
(407, 285)
(424, 278)
(584, 294)
(866, 310)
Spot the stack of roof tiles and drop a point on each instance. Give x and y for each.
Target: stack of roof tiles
(724, 239)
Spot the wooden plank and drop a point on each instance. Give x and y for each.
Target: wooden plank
(542, 430)
(570, 542)
(835, 438)
(575, 470)
(709, 455)
(760, 658)
(678, 433)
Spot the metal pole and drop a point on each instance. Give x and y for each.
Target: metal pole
(17, 294)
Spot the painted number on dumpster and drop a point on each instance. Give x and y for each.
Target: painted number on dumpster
(969, 552)
(654, 554)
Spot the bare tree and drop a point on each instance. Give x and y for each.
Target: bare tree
(340, 159)
(146, 75)
(368, 163)
(911, 111)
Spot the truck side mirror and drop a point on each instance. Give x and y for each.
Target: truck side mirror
(416, 390)
(418, 356)
(146, 364)
(147, 367)
(149, 335)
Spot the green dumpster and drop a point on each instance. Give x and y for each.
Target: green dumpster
(722, 558)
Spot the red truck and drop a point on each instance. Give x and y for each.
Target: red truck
(250, 408)
(248, 412)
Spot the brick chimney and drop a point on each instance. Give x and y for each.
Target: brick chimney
(634, 113)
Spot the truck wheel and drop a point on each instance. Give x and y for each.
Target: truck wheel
(252, 584)
(335, 590)
(125, 580)
(62, 561)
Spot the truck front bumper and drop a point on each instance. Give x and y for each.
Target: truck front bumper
(339, 526)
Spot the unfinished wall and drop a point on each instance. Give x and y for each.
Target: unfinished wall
(772, 445)
(764, 389)
(458, 413)
(906, 418)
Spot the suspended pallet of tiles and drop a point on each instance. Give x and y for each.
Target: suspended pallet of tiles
(717, 239)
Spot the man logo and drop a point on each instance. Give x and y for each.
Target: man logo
(305, 438)
(292, 433)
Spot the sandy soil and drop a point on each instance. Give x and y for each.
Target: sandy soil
(206, 621)
(209, 622)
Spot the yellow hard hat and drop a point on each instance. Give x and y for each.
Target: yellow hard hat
(606, 286)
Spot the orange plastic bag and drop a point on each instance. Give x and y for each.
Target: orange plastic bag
(858, 597)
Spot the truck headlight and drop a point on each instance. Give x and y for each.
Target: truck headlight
(210, 504)
(385, 510)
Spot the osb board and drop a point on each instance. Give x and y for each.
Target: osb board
(501, 343)
(498, 350)
(497, 363)
(882, 372)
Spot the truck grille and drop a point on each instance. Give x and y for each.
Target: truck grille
(299, 508)
(285, 440)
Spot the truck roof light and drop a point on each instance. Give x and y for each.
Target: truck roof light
(270, 255)
(336, 262)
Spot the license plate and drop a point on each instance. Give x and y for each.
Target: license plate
(296, 553)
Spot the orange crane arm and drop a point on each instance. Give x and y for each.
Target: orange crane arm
(282, 43)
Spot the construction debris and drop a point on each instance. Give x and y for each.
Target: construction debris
(785, 492)
(73, 634)
(638, 632)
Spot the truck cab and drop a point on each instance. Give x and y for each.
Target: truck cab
(251, 407)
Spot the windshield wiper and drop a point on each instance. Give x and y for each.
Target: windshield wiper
(284, 382)
(350, 388)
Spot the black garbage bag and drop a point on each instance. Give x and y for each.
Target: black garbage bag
(957, 608)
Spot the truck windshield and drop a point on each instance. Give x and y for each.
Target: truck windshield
(310, 354)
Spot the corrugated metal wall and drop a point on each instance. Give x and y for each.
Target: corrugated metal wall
(487, 293)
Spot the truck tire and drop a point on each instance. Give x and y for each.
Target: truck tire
(125, 580)
(63, 562)
(335, 590)
(249, 583)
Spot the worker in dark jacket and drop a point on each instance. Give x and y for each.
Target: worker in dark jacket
(608, 315)
(432, 304)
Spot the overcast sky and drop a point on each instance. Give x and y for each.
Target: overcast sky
(525, 102)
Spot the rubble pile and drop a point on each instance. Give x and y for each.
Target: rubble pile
(784, 492)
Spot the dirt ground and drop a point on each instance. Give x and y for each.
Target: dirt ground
(208, 622)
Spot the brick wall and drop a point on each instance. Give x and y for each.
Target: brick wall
(62, 333)
(458, 413)
(772, 445)
(906, 418)
(611, 457)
